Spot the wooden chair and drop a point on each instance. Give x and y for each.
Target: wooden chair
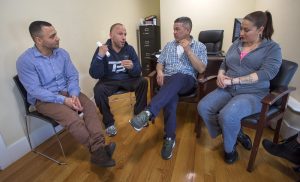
(35, 114)
(120, 92)
(273, 107)
(206, 83)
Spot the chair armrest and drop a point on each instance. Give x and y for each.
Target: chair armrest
(277, 94)
(206, 84)
(152, 74)
(206, 79)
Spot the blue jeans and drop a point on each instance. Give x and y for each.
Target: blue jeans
(167, 98)
(222, 112)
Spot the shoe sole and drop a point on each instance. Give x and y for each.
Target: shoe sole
(105, 166)
(136, 129)
(111, 135)
(169, 157)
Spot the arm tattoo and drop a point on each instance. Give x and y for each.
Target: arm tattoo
(247, 79)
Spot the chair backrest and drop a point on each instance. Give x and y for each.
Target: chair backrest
(213, 40)
(285, 74)
(23, 92)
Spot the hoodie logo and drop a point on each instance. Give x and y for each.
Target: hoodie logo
(117, 66)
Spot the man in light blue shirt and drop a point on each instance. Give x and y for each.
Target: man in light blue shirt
(177, 68)
(51, 81)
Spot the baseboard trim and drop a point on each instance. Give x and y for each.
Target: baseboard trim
(10, 154)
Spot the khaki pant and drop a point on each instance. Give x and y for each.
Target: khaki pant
(88, 131)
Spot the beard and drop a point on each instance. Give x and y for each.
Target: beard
(52, 46)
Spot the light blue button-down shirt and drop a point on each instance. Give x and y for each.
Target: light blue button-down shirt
(45, 76)
(175, 61)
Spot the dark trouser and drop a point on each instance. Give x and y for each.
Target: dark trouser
(88, 131)
(167, 98)
(103, 90)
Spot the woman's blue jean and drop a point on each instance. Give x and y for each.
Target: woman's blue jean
(222, 112)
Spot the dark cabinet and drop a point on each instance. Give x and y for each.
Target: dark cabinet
(149, 40)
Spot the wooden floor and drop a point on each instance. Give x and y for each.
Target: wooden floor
(138, 156)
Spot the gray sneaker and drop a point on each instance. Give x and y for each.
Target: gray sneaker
(140, 120)
(111, 131)
(167, 149)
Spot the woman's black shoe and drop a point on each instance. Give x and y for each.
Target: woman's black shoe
(231, 157)
(244, 140)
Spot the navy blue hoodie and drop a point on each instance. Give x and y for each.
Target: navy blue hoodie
(110, 68)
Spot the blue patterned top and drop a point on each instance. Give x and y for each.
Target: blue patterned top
(175, 60)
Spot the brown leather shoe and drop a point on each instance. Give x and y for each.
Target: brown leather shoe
(101, 158)
(110, 148)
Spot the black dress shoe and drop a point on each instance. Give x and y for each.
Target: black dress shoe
(231, 157)
(244, 140)
(288, 149)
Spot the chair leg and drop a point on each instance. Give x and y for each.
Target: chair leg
(60, 145)
(254, 150)
(153, 121)
(27, 130)
(130, 99)
(42, 154)
(198, 126)
(277, 130)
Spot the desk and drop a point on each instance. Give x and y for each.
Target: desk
(215, 58)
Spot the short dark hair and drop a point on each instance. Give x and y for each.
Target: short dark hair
(186, 21)
(36, 27)
(114, 25)
(259, 19)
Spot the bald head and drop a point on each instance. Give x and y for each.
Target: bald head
(114, 26)
(118, 36)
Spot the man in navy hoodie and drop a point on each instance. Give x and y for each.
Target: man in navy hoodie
(119, 70)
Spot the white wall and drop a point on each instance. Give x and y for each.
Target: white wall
(79, 24)
(220, 14)
(205, 15)
(286, 16)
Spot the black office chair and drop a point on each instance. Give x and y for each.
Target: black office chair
(35, 114)
(213, 40)
(273, 107)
